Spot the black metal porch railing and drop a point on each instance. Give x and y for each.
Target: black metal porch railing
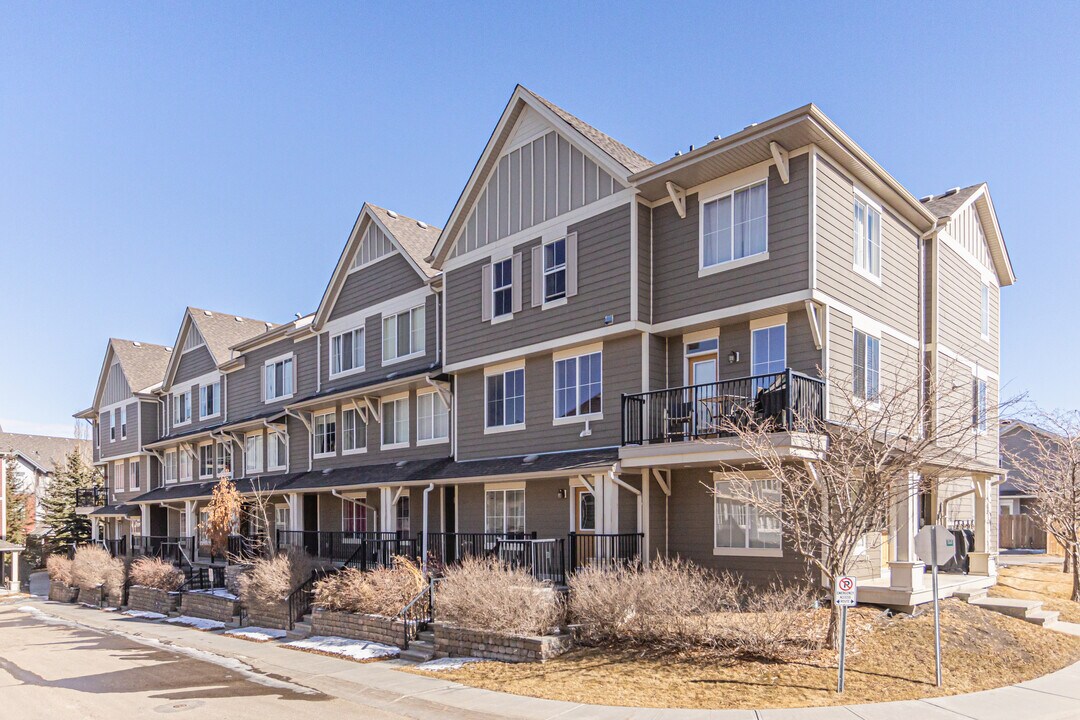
(174, 549)
(790, 400)
(91, 497)
(363, 550)
(117, 547)
(450, 548)
(603, 550)
(202, 578)
(543, 559)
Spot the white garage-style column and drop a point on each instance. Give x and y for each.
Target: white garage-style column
(906, 572)
(983, 559)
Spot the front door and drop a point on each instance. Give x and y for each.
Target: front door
(702, 369)
(311, 523)
(584, 550)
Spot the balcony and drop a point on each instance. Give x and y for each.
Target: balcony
(790, 401)
(94, 497)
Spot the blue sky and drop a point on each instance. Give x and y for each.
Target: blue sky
(158, 155)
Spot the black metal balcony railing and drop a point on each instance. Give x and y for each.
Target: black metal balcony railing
(789, 400)
(90, 497)
(175, 549)
(592, 550)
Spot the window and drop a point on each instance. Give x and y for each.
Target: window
(735, 226)
(210, 400)
(326, 434)
(402, 516)
(281, 518)
(586, 512)
(107, 417)
(505, 399)
(182, 408)
(395, 422)
(185, 465)
(123, 422)
(768, 350)
(555, 270)
(98, 429)
(432, 418)
(347, 352)
(742, 529)
(224, 458)
(504, 511)
(206, 461)
(170, 466)
(866, 369)
(867, 238)
(353, 516)
(403, 334)
(253, 453)
(502, 287)
(134, 474)
(118, 480)
(578, 382)
(277, 452)
(279, 379)
(978, 415)
(986, 312)
(353, 432)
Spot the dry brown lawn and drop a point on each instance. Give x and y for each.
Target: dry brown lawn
(888, 659)
(1039, 582)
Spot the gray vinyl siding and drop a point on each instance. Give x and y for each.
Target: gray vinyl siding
(330, 511)
(116, 385)
(603, 289)
(193, 364)
(373, 365)
(374, 284)
(546, 513)
(691, 535)
(122, 445)
(658, 362)
(149, 421)
(128, 493)
(628, 505)
(960, 310)
(645, 268)
(621, 373)
(895, 301)
(244, 387)
(299, 445)
(677, 289)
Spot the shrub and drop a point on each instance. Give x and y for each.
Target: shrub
(155, 573)
(269, 582)
(60, 569)
(384, 591)
(94, 566)
(676, 606)
(487, 594)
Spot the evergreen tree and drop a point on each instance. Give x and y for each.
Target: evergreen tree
(16, 503)
(72, 474)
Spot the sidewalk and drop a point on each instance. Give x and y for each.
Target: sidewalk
(382, 686)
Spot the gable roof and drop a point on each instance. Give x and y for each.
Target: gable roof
(142, 363)
(951, 203)
(220, 331)
(41, 451)
(615, 157)
(414, 238)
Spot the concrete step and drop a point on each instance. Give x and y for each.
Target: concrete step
(1046, 618)
(969, 595)
(304, 627)
(1008, 606)
(419, 651)
(427, 636)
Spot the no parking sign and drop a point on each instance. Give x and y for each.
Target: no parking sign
(845, 591)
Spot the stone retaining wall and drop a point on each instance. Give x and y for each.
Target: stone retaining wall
(461, 642)
(210, 607)
(374, 628)
(92, 595)
(152, 600)
(276, 617)
(59, 592)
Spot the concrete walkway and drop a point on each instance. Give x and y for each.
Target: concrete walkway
(383, 687)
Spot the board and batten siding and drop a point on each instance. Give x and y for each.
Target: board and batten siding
(959, 315)
(603, 289)
(621, 374)
(370, 285)
(895, 302)
(677, 289)
(116, 386)
(244, 387)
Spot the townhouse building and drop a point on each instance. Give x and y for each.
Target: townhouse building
(549, 369)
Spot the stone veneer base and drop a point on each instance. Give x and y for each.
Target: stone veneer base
(59, 592)
(461, 642)
(373, 628)
(209, 607)
(152, 600)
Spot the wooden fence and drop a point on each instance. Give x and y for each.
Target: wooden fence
(1020, 532)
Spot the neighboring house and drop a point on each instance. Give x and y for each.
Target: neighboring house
(546, 364)
(1016, 436)
(36, 457)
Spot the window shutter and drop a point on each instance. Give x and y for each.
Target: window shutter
(859, 369)
(516, 291)
(537, 272)
(485, 301)
(571, 264)
(975, 402)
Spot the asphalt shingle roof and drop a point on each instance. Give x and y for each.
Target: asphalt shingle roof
(143, 363)
(221, 331)
(416, 237)
(945, 205)
(42, 450)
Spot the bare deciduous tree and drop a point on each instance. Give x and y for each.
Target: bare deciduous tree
(222, 514)
(1048, 467)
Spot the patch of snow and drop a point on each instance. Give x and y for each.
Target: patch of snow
(256, 634)
(447, 663)
(197, 623)
(360, 650)
(144, 615)
(216, 592)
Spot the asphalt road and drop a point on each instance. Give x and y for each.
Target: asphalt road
(52, 670)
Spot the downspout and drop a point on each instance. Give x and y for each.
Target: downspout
(424, 543)
(945, 503)
(929, 369)
(318, 362)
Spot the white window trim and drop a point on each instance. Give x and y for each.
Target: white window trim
(408, 434)
(202, 390)
(743, 552)
(560, 301)
(123, 422)
(180, 455)
(259, 468)
(165, 480)
(437, 400)
(496, 319)
(272, 436)
(330, 353)
(502, 369)
(198, 452)
(767, 324)
(262, 379)
(504, 488)
(761, 175)
(577, 352)
(190, 414)
(415, 353)
(314, 435)
(872, 405)
(984, 416)
(871, 202)
(136, 462)
(341, 433)
(984, 311)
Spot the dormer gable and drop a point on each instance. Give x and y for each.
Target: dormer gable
(211, 333)
(969, 222)
(129, 367)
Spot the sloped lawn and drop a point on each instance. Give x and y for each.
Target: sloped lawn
(1039, 582)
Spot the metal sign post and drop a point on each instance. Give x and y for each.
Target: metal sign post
(844, 597)
(932, 542)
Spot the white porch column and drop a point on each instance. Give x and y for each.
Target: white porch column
(646, 541)
(295, 518)
(907, 571)
(607, 503)
(14, 585)
(95, 529)
(983, 560)
(190, 518)
(144, 528)
(387, 518)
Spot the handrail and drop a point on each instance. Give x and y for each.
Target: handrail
(424, 617)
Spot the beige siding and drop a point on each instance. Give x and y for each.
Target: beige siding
(960, 310)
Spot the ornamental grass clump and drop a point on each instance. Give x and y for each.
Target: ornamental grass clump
(270, 581)
(490, 595)
(93, 566)
(383, 591)
(60, 569)
(155, 573)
